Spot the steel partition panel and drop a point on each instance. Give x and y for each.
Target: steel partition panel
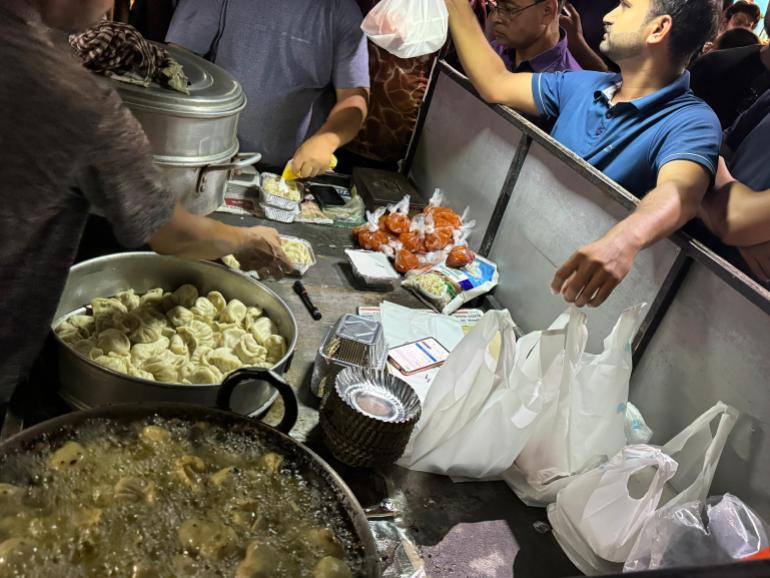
(465, 149)
(713, 344)
(553, 211)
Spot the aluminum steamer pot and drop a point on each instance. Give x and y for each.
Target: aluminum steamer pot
(315, 470)
(193, 136)
(85, 384)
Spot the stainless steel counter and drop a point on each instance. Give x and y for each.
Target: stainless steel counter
(474, 530)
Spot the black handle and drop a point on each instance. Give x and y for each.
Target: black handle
(300, 290)
(290, 405)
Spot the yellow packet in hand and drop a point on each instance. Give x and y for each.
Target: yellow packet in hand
(289, 174)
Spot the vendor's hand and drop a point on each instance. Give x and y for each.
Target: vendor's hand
(313, 157)
(758, 260)
(262, 253)
(571, 22)
(593, 272)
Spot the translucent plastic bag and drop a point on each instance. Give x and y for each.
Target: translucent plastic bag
(485, 400)
(598, 517)
(680, 536)
(408, 28)
(586, 425)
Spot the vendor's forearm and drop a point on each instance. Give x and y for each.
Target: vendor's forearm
(195, 237)
(345, 120)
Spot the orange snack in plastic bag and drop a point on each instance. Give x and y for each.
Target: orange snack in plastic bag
(438, 240)
(412, 241)
(460, 256)
(406, 261)
(397, 223)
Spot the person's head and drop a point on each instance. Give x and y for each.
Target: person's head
(742, 14)
(735, 38)
(518, 24)
(675, 29)
(71, 15)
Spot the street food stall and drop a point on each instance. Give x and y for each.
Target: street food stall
(700, 341)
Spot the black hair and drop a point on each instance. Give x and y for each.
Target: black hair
(735, 38)
(693, 24)
(749, 8)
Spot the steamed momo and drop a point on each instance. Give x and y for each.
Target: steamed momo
(174, 337)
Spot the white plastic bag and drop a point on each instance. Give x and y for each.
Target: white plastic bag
(586, 425)
(637, 430)
(598, 517)
(479, 411)
(680, 536)
(408, 28)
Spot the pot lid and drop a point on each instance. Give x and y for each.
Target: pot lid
(213, 91)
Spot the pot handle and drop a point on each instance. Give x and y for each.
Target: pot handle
(291, 408)
(241, 161)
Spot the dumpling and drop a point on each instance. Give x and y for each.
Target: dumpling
(249, 351)
(164, 366)
(200, 355)
(85, 323)
(276, 347)
(325, 541)
(68, 333)
(252, 314)
(168, 302)
(153, 298)
(146, 333)
(234, 312)
(261, 560)
(129, 298)
(221, 326)
(112, 340)
(106, 306)
(197, 334)
(85, 346)
(331, 567)
(231, 262)
(218, 300)
(123, 322)
(66, 457)
(204, 309)
(177, 346)
(179, 316)
(151, 316)
(204, 375)
(212, 541)
(224, 360)
(186, 295)
(113, 362)
(262, 329)
(141, 373)
(231, 337)
(141, 352)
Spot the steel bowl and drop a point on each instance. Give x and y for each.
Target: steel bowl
(85, 384)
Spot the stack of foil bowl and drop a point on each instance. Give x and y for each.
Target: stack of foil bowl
(368, 417)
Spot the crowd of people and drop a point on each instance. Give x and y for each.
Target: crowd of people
(667, 97)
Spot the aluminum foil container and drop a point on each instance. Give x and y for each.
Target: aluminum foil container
(368, 417)
(279, 215)
(277, 201)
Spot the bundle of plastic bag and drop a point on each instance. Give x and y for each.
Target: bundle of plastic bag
(586, 425)
(681, 536)
(599, 516)
(483, 403)
(408, 28)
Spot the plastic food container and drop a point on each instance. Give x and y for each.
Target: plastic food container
(300, 267)
(276, 200)
(373, 268)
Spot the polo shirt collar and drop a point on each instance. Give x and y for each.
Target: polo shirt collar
(679, 87)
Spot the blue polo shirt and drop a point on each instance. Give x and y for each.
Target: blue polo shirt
(631, 141)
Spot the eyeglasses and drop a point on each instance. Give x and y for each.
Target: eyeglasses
(507, 11)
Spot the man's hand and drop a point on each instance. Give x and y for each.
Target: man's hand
(571, 22)
(262, 253)
(591, 274)
(313, 156)
(758, 260)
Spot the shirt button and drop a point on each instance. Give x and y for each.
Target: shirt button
(609, 114)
